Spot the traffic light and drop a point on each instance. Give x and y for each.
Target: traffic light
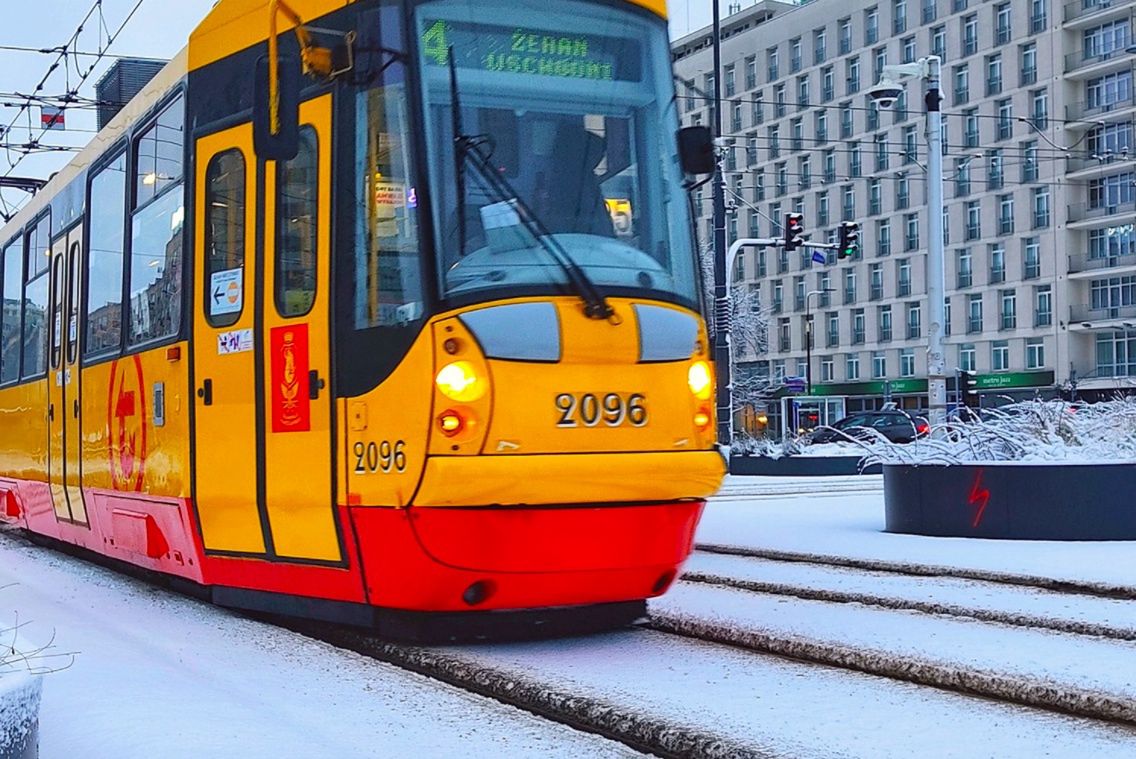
(849, 240)
(794, 230)
(967, 389)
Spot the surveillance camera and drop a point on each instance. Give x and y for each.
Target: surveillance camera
(885, 94)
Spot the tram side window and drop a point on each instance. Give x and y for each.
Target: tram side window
(35, 299)
(10, 319)
(104, 280)
(160, 153)
(297, 228)
(225, 238)
(388, 280)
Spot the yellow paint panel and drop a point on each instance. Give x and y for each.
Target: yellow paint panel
(23, 419)
(234, 25)
(573, 478)
(397, 410)
(166, 455)
(657, 6)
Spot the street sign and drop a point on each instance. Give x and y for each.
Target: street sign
(794, 384)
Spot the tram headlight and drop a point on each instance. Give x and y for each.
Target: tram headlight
(460, 382)
(701, 380)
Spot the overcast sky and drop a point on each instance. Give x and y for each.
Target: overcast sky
(159, 29)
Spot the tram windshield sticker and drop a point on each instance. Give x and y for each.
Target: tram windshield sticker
(226, 292)
(536, 52)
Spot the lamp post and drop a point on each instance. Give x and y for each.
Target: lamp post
(809, 338)
(929, 69)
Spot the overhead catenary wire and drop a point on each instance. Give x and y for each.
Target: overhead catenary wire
(71, 97)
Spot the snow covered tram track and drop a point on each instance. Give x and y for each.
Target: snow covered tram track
(1001, 616)
(1068, 586)
(591, 714)
(1011, 689)
(672, 695)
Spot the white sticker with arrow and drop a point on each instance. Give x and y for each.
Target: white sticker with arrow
(226, 292)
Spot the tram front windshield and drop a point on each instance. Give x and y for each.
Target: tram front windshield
(570, 108)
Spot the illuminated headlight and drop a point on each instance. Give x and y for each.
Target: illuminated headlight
(701, 380)
(460, 382)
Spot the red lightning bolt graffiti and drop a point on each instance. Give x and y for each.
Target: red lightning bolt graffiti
(980, 497)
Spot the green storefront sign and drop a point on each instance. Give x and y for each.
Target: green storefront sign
(912, 386)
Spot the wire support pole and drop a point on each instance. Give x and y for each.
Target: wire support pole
(722, 359)
(936, 255)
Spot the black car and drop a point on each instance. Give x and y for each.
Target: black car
(896, 426)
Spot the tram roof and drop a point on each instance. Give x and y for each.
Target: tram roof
(234, 25)
(138, 107)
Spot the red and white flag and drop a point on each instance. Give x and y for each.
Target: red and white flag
(52, 118)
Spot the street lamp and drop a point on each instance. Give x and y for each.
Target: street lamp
(885, 93)
(809, 338)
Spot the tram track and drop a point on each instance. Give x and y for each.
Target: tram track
(1079, 587)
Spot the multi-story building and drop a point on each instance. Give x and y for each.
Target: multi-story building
(1039, 201)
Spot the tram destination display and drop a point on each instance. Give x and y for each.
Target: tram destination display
(536, 52)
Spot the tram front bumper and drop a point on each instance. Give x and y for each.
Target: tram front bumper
(600, 478)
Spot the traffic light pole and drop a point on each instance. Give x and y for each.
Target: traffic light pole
(936, 277)
(722, 361)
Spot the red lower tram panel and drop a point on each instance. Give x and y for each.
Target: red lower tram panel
(403, 565)
(521, 558)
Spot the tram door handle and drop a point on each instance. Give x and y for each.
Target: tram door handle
(315, 384)
(51, 412)
(205, 392)
(75, 408)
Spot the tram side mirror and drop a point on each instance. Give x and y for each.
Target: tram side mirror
(696, 150)
(279, 141)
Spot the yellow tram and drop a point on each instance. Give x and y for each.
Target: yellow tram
(368, 307)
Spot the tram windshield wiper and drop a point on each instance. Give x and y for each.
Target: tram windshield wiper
(468, 150)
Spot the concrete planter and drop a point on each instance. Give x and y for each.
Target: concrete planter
(19, 714)
(1013, 501)
(799, 466)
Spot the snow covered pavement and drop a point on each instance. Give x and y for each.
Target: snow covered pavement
(159, 675)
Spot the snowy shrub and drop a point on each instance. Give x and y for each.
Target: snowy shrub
(1031, 431)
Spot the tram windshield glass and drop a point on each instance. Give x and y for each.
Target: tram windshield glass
(552, 148)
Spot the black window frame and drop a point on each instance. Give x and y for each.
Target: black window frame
(224, 321)
(28, 230)
(16, 239)
(120, 149)
(133, 209)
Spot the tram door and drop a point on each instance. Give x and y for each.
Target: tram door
(297, 442)
(225, 420)
(261, 345)
(64, 403)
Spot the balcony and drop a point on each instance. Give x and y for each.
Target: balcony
(832, 340)
(776, 306)
(876, 292)
(914, 331)
(1038, 22)
(973, 326)
(1081, 12)
(857, 337)
(1086, 160)
(1086, 212)
(1091, 108)
(1009, 321)
(783, 345)
(1087, 263)
(1087, 314)
(885, 335)
(799, 303)
(849, 297)
(1090, 61)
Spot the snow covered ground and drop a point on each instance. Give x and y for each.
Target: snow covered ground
(156, 674)
(159, 675)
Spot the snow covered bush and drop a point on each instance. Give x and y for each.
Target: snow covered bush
(1030, 431)
(21, 682)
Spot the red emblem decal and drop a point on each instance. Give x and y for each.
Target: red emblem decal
(980, 497)
(127, 425)
(291, 403)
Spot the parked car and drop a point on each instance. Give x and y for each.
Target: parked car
(896, 426)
